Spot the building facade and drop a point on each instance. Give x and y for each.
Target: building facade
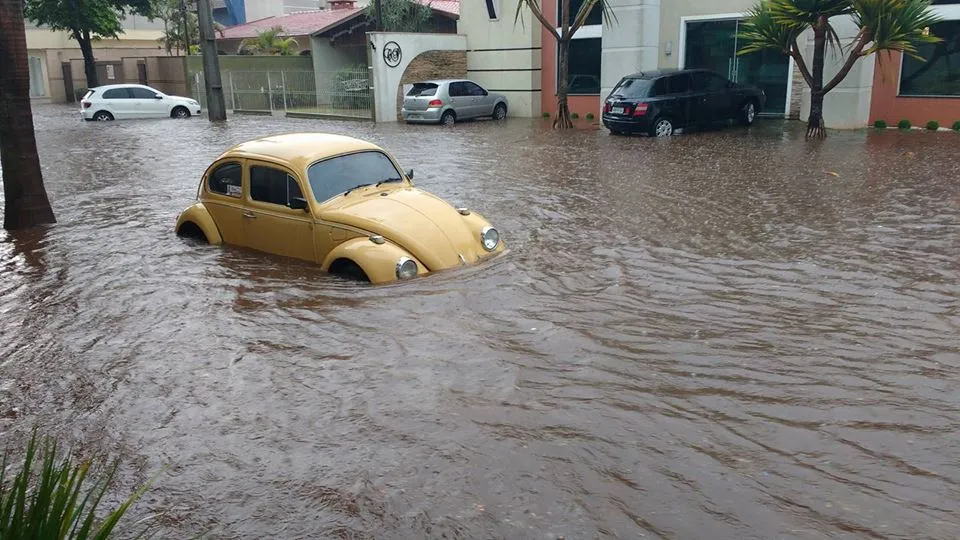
(656, 34)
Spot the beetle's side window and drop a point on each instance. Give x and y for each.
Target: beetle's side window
(227, 179)
(273, 186)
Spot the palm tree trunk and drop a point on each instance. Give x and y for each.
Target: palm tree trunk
(26, 202)
(89, 62)
(563, 74)
(815, 126)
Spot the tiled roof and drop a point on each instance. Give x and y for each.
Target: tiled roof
(307, 23)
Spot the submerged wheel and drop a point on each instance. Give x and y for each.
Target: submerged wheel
(662, 127)
(348, 269)
(748, 114)
(180, 112)
(103, 116)
(448, 118)
(500, 111)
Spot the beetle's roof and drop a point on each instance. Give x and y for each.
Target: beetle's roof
(301, 149)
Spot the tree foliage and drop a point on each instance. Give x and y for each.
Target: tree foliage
(173, 40)
(402, 15)
(883, 25)
(270, 42)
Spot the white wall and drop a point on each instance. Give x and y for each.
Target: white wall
(631, 42)
(503, 56)
(386, 79)
(848, 105)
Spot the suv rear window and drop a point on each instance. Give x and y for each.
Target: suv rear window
(423, 89)
(633, 88)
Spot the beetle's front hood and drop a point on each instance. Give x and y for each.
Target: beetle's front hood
(423, 224)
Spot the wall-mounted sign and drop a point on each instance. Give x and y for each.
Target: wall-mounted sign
(392, 54)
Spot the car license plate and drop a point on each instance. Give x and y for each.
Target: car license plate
(414, 116)
(618, 110)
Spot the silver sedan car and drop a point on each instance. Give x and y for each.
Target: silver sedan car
(447, 101)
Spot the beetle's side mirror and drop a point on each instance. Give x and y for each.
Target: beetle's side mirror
(410, 174)
(299, 203)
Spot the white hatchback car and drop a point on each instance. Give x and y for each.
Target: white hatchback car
(123, 101)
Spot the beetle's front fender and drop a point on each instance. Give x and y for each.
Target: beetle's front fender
(200, 216)
(378, 261)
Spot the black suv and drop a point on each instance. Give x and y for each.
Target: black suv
(658, 102)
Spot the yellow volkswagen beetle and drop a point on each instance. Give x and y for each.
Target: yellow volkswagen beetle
(337, 201)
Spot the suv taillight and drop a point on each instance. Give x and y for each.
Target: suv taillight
(87, 104)
(435, 103)
(641, 109)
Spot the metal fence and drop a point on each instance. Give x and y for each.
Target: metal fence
(345, 92)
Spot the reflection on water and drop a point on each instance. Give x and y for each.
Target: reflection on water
(723, 335)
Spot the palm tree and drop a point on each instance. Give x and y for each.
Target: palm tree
(884, 25)
(563, 38)
(269, 42)
(26, 202)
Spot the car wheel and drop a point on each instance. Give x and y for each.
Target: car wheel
(500, 111)
(748, 114)
(103, 116)
(662, 127)
(448, 118)
(180, 112)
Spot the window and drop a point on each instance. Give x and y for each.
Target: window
(334, 176)
(458, 89)
(142, 93)
(633, 88)
(273, 186)
(679, 84)
(116, 93)
(940, 74)
(227, 179)
(423, 89)
(709, 82)
(493, 9)
(38, 86)
(584, 66)
(595, 17)
(474, 89)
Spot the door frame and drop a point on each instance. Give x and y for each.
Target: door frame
(682, 48)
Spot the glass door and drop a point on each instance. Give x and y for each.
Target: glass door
(713, 45)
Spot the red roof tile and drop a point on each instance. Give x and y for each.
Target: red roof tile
(307, 23)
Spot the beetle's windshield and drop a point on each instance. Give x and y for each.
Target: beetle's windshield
(331, 177)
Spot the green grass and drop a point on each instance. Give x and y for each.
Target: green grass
(53, 497)
(880, 124)
(956, 125)
(904, 124)
(933, 125)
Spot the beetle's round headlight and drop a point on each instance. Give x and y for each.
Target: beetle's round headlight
(490, 238)
(406, 268)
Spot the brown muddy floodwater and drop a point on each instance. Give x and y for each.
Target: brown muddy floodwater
(724, 335)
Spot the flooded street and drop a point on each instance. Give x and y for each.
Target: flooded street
(724, 335)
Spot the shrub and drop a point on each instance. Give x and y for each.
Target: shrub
(590, 116)
(47, 498)
(546, 115)
(904, 124)
(880, 124)
(933, 125)
(574, 116)
(956, 125)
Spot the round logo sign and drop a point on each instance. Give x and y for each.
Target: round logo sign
(392, 54)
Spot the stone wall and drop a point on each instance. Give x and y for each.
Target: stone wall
(433, 65)
(796, 92)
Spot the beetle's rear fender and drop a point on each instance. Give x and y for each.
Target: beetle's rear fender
(378, 261)
(200, 216)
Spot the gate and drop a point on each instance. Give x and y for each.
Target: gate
(345, 93)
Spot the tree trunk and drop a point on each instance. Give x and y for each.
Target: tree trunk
(815, 126)
(563, 73)
(26, 202)
(89, 62)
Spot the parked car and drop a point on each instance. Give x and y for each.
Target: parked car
(123, 101)
(447, 101)
(337, 201)
(660, 102)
